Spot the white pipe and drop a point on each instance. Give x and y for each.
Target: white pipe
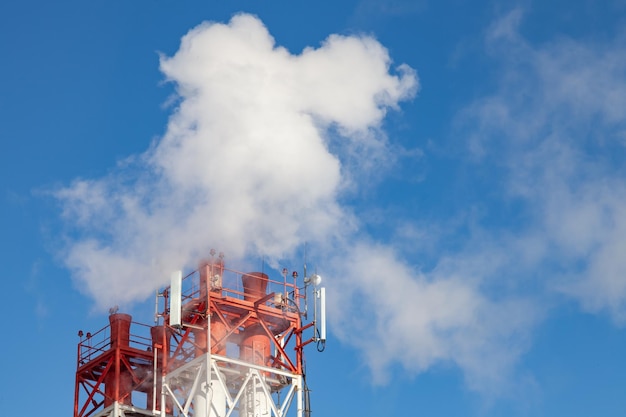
(156, 307)
(299, 399)
(154, 378)
(163, 407)
(323, 314)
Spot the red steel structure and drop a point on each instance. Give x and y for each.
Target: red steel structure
(231, 345)
(111, 367)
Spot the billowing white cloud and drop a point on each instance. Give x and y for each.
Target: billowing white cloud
(397, 314)
(244, 165)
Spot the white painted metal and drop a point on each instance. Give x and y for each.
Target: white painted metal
(175, 299)
(322, 314)
(217, 398)
(253, 397)
(299, 396)
(255, 402)
(154, 378)
(121, 410)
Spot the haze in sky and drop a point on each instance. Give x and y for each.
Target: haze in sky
(455, 171)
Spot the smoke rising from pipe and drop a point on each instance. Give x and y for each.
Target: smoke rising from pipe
(254, 160)
(244, 164)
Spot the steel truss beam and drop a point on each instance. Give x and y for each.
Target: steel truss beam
(185, 383)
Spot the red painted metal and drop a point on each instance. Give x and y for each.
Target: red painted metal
(112, 364)
(200, 341)
(161, 343)
(255, 341)
(254, 285)
(118, 384)
(218, 337)
(255, 345)
(245, 319)
(113, 368)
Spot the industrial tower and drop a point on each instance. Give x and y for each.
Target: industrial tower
(224, 343)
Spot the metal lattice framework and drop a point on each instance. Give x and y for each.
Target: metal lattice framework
(236, 351)
(112, 364)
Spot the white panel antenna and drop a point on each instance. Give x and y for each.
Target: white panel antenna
(323, 314)
(175, 299)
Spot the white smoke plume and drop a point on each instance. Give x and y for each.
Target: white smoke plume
(256, 156)
(244, 165)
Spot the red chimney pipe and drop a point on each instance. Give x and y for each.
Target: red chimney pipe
(255, 343)
(254, 285)
(118, 382)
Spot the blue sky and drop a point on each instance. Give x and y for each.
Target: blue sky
(455, 168)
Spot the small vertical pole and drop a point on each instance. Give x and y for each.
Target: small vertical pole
(208, 349)
(323, 314)
(163, 406)
(299, 399)
(208, 365)
(155, 361)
